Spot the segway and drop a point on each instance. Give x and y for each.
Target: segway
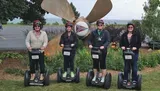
(128, 56)
(35, 56)
(67, 51)
(97, 55)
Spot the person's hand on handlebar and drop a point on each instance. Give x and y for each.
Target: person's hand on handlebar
(42, 48)
(134, 48)
(72, 45)
(62, 45)
(90, 46)
(102, 47)
(30, 48)
(123, 48)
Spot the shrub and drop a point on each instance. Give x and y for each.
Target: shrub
(149, 60)
(83, 59)
(53, 63)
(11, 55)
(14, 71)
(114, 60)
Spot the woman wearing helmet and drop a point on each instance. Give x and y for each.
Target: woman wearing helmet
(37, 39)
(131, 39)
(99, 38)
(69, 38)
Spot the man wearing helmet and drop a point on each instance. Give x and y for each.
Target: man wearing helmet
(99, 38)
(69, 38)
(37, 39)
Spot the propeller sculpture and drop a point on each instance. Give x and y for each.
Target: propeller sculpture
(62, 8)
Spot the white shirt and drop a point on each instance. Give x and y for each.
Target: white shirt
(34, 41)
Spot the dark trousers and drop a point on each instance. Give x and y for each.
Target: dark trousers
(69, 62)
(133, 67)
(100, 63)
(34, 62)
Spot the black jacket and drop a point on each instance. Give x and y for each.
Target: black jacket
(68, 40)
(134, 42)
(97, 40)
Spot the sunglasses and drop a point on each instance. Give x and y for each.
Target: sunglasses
(100, 25)
(37, 26)
(130, 27)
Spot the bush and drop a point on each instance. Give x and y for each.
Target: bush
(53, 63)
(83, 59)
(114, 60)
(149, 60)
(11, 55)
(14, 71)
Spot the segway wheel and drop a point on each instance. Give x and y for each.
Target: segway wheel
(59, 74)
(120, 80)
(139, 82)
(108, 80)
(89, 78)
(77, 80)
(26, 78)
(46, 78)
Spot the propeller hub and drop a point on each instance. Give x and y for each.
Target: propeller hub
(81, 27)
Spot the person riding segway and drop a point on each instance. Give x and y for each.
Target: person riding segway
(130, 43)
(69, 43)
(36, 42)
(98, 43)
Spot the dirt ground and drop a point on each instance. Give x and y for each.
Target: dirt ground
(10, 63)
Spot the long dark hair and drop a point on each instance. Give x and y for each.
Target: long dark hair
(133, 27)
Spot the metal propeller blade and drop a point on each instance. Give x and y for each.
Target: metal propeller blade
(60, 8)
(100, 9)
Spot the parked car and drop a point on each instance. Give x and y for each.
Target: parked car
(154, 44)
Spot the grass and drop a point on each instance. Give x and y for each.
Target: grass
(150, 83)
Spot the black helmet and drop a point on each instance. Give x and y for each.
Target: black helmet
(69, 24)
(130, 24)
(99, 22)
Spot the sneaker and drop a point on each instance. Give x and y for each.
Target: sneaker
(125, 82)
(134, 83)
(41, 77)
(64, 74)
(32, 76)
(72, 74)
(94, 79)
(102, 80)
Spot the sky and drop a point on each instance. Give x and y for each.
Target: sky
(122, 9)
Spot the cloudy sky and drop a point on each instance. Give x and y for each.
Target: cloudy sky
(122, 9)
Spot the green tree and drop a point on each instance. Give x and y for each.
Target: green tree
(34, 12)
(76, 13)
(11, 9)
(151, 19)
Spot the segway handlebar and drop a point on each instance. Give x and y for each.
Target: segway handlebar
(36, 51)
(128, 51)
(67, 47)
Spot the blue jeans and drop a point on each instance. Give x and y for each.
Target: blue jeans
(134, 68)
